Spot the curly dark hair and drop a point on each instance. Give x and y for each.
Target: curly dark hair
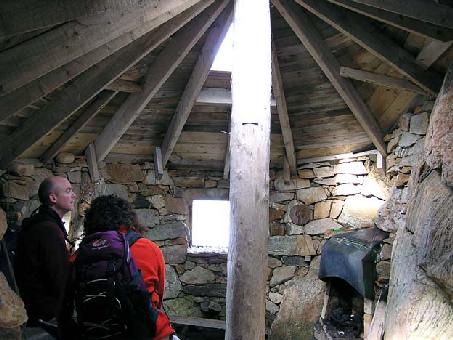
(108, 213)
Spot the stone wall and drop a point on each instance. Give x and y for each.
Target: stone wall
(420, 212)
(324, 199)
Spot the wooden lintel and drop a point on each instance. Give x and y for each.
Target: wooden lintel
(30, 60)
(97, 105)
(282, 110)
(161, 69)
(86, 86)
(90, 154)
(40, 87)
(301, 24)
(380, 79)
(196, 80)
(426, 11)
(405, 23)
(352, 24)
(158, 168)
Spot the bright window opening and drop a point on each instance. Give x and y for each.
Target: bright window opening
(210, 226)
(224, 58)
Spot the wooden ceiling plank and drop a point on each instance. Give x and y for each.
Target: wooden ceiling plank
(431, 52)
(23, 16)
(103, 99)
(197, 78)
(161, 69)
(87, 85)
(54, 48)
(40, 87)
(405, 23)
(364, 34)
(122, 85)
(380, 79)
(282, 109)
(426, 11)
(300, 24)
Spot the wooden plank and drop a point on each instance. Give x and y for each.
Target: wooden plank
(282, 109)
(158, 167)
(90, 154)
(373, 41)
(96, 106)
(88, 85)
(426, 11)
(380, 79)
(431, 52)
(249, 172)
(29, 15)
(31, 92)
(305, 31)
(128, 86)
(161, 69)
(405, 23)
(197, 78)
(199, 322)
(286, 170)
(36, 57)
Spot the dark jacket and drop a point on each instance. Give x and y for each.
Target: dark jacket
(41, 264)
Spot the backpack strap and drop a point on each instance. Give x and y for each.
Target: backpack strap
(132, 237)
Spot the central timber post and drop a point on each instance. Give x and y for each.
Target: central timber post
(249, 172)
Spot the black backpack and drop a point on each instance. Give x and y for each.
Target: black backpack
(111, 298)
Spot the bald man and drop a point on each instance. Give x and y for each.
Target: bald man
(41, 263)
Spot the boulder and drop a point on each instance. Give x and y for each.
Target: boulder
(282, 274)
(157, 201)
(336, 208)
(311, 195)
(198, 276)
(325, 171)
(306, 173)
(172, 284)
(65, 158)
(301, 214)
(75, 177)
(360, 211)
(12, 310)
(276, 214)
(184, 306)
(317, 227)
(407, 139)
(176, 205)
(300, 308)
(11, 189)
(168, 231)
(271, 307)
(352, 168)
(147, 217)
(151, 179)
(275, 298)
(114, 189)
(276, 196)
(174, 254)
(21, 169)
(124, 173)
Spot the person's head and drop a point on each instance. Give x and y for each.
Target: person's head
(108, 213)
(56, 192)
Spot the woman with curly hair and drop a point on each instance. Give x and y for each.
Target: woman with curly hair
(111, 213)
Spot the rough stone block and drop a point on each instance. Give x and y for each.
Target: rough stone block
(407, 139)
(293, 184)
(336, 208)
(21, 169)
(419, 123)
(317, 227)
(311, 195)
(172, 284)
(168, 231)
(346, 189)
(326, 171)
(13, 190)
(276, 196)
(322, 209)
(12, 311)
(348, 179)
(276, 214)
(282, 274)
(373, 186)
(209, 289)
(3, 223)
(352, 168)
(189, 182)
(147, 217)
(301, 214)
(125, 173)
(360, 211)
(174, 254)
(176, 205)
(65, 158)
(198, 276)
(306, 173)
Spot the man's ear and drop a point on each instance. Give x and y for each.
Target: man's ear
(52, 198)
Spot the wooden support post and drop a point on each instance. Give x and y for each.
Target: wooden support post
(249, 173)
(158, 168)
(90, 154)
(226, 167)
(286, 171)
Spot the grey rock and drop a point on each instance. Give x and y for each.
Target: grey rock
(18, 168)
(157, 201)
(294, 260)
(168, 231)
(346, 189)
(317, 227)
(151, 178)
(272, 262)
(3, 223)
(373, 186)
(13, 190)
(65, 158)
(271, 307)
(352, 168)
(306, 173)
(360, 211)
(275, 298)
(419, 123)
(294, 184)
(311, 195)
(147, 217)
(210, 289)
(75, 176)
(176, 205)
(348, 179)
(282, 274)
(276, 196)
(326, 171)
(12, 311)
(183, 306)
(322, 209)
(336, 208)
(407, 139)
(174, 254)
(172, 284)
(325, 181)
(114, 189)
(197, 276)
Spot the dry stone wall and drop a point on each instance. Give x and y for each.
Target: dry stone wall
(325, 198)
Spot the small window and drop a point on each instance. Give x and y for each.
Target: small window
(210, 226)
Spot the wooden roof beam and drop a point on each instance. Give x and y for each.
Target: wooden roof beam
(199, 74)
(52, 49)
(97, 105)
(300, 23)
(353, 25)
(28, 15)
(87, 85)
(405, 23)
(40, 87)
(426, 11)
(282, 109)
(380, 79)
(161, 69)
